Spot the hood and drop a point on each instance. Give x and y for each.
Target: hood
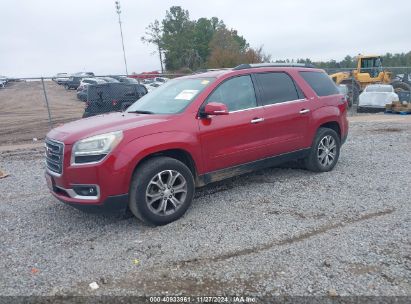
(83, 128)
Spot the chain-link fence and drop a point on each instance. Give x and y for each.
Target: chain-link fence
(30, 107)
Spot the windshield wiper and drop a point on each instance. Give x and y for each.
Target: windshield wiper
(141, 112)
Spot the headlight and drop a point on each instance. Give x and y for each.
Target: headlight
(95, 148)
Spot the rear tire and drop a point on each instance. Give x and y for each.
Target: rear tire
(324, 152)
(400, 86)
(161, 190)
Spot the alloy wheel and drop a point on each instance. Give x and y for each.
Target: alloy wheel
(166, 192)
(327, 151)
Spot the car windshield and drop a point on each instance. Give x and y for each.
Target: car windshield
(380, 89)
(172, 97)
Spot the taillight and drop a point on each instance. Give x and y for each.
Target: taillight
(114, 102)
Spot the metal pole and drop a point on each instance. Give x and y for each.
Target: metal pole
(352, 97)
(122, 43)
(47, 102)
(121, 33)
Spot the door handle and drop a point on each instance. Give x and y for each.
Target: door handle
(257, 120)
(303, 111)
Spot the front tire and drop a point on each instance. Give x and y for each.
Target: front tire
(161, 191)
(324, 152)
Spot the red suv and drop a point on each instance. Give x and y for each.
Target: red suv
(195, 130)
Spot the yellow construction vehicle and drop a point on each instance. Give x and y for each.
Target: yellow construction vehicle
(369, 71)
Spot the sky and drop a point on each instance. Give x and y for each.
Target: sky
(45, 37)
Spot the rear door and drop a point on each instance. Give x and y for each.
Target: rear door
(236, 138)
(286, 112)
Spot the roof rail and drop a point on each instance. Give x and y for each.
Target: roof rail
(210, 70)
(268, 65)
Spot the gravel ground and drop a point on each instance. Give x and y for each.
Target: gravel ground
(280, 231)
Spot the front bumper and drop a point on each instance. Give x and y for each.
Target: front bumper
(92, 203)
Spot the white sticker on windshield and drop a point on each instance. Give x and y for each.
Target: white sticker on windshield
(186, 94)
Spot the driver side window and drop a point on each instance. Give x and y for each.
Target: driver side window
(236, 93)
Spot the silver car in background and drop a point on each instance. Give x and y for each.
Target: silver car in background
(375, 97)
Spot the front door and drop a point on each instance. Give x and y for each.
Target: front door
(238, 137)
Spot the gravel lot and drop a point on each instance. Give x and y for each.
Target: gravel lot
(280, 231)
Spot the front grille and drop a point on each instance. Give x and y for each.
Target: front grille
(54, 156)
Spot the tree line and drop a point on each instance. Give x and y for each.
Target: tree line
(186, 45)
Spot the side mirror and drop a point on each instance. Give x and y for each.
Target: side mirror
(215, 108)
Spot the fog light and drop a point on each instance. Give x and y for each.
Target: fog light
(85, 190)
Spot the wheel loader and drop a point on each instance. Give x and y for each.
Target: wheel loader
(369, 71)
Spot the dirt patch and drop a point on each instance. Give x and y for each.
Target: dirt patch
(24, 116)
(387, 130)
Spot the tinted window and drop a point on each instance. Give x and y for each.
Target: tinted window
(320, 82)
(237, 93)
(277, 87)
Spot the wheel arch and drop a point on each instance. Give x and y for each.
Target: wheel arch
(333, 125)
(177, 153)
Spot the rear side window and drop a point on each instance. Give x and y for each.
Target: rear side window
(277, 87)
(320, 82)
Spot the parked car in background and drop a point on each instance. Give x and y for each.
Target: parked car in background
(84, 74)
(193, 131)
(161, 79)
(344, 90)
(73, 82)
(61, 78)
(111, 97)
(86, 81)
(82, 95)
(3, 81)
(124, 79)
(375, 97)
(147, 81)
(109, 79)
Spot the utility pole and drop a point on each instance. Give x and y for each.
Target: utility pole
(118, 11)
